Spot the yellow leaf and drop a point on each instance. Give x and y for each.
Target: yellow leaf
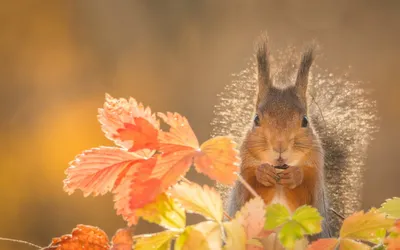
(347, 244)
(391, 207)
(202, 200)
(366, 226)
(203, 236)
(235, 236)
(157, 241)
(309, 219)
(276, 215)
(165, 212)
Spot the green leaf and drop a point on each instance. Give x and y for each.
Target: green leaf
(158, 241)
(276, 215)
(235, 236)
(309, 219)
(391, 207)
(164, 212)
(201, 200)
(290, 233)
(203, 236)
(366, 226)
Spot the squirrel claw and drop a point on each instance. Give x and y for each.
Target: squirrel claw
(291, 177)
(266, 175)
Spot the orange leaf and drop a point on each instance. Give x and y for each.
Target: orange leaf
(99, 170)
(116, 113)
(122, 240)
(82, 237)
(142, 134)
(323, 244)
(217, 157)
(252, 217)
(393, 244)
(218, 160)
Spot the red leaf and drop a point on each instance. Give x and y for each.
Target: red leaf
(82, 237)
(393, 243)
(143, 134)
(116, 113)
(122, 240)
(99, 170)
(324, 244)
(136, 190)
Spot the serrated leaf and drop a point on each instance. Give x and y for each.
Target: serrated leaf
(252, 216)
(196, 199)
(276, 215)
(235, 236)
(362, 226)
(99, 170)
(157, 241)
(164, 212)
(324, 244)
(82, 237)
(309, 219)
(217, 157)
(290, 233)
(203, 236)
(391, 207)
(347, 244)
(120, 120)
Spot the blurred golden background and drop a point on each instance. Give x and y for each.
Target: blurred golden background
(58, 58)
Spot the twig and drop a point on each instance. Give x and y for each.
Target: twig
(249, 188)
(337, 213)
(21, 242)
(227, 215)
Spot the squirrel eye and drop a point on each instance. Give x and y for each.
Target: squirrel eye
(257, 120)
(304, 122)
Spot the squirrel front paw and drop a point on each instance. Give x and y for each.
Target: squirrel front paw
(266, 175)
(291, 177)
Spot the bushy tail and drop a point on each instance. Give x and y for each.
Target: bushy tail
(341, 111)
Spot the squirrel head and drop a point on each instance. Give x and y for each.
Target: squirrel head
(281, 133)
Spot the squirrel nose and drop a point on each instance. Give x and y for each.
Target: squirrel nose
(280, 149)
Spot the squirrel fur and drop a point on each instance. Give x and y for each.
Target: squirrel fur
(299, 120)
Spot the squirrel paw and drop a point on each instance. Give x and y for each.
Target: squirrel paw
(266, 175)
(291, 177)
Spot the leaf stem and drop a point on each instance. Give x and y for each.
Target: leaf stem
(247, 185)
(337, 213)
(21, 242)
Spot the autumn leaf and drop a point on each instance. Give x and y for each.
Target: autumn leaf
(309, 219)
(196, 199)
(391, 207)
(252, 217)
(82, 237)
(365, 226)
(122, 240)
(202, 236)
(393, 243)
(323, 244)
(142, 134)
(99, 170)
(121, 117)
(157, 241)
(235, 236)
(348, 244)
(217, 157)
(165, 212)
(276, 215)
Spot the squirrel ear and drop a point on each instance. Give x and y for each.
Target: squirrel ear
(302, 75)
(263, 75)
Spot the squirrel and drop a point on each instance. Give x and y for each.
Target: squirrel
(292, 148)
